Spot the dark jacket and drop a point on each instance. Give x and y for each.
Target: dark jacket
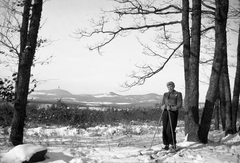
(173, 99)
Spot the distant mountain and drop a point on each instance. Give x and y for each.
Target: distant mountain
(111, 98)
(60, 92)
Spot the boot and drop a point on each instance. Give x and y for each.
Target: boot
(173, 148)
(166, 147)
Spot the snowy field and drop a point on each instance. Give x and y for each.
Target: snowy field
(120, 144)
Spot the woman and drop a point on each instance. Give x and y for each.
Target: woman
(171, 103)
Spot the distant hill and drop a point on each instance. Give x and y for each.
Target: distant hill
(111, 98)
(59, 92)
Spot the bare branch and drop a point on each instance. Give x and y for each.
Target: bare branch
(113, 34)
(152, 51)
(137, 9)
(209, 61)
(208, 6)
(148, 72)
(142, 13)
(10, 27)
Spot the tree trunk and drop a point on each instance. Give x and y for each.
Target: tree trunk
(24, 69)
(186, 56)
(227, 93)
(221, 13)
(222, 101)
(25, 25)
(16, 136)
(216, 114)
(193, 97)
(236, 90)
(223, 114)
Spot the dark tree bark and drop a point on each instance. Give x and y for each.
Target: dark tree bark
(28, 42)
(216, 114)
(222, 101)
(226, 94)
(221, 13)
(222, 109)
(193, 95)
(236, 90)
(186, 56)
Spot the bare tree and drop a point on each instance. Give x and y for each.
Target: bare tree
(236, 91)
(25, 51)
(186, 58)
(224, 85)
(192, 70)
(221, 14)
(10, 25)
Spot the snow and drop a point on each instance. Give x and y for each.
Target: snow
(70, 99)
(21, 153)
(106, 95)
(38, 93)
(98, 103)
(122, 144)
(43, 93)
(123, 103)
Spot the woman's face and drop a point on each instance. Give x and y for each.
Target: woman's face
(170, 88)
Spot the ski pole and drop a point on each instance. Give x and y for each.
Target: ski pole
(159, 122)
(171, 127)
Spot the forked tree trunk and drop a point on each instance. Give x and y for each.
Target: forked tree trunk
(28, 46)
(236, 90)
(221, 13)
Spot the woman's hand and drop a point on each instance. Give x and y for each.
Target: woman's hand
(163, 107)
(168, 107)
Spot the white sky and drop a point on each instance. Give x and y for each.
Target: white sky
(80, 71)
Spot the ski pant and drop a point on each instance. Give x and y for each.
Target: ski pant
(167, 135)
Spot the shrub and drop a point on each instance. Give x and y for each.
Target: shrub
(6, 114)
(83, 118)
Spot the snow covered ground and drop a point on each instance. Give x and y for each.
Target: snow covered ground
(121, 144)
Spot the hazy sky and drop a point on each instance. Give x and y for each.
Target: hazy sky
(80, 71)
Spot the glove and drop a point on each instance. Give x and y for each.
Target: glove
(168, 107)
(163, 107)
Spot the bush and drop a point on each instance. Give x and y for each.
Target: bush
(6, 114)
(61, 114)
(86, 117)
